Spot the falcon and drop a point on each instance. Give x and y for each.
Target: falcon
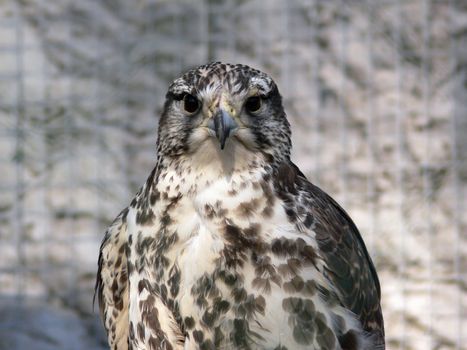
(227, 245)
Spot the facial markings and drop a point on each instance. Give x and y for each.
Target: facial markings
(226, 86)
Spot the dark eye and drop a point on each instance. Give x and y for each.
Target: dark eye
(190, 103)
(253, 104)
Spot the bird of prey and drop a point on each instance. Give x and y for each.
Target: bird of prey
(227, 245)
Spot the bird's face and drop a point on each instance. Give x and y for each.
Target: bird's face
(224, 107)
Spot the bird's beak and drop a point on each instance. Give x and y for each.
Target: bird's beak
(223, 126)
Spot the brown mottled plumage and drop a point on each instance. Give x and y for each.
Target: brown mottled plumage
(228, 245)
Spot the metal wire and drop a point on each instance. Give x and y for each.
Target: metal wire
(401, 228)
(457, 193)
(18, 223)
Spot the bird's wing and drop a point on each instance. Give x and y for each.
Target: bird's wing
(112, 283)
(348, 265)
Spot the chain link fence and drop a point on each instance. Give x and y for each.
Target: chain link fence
(376, 92)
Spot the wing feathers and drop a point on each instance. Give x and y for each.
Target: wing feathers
(348, 265)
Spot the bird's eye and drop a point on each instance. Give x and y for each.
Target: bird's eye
(253, 104)
(190, 103)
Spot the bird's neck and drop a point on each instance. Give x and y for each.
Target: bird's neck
(191, 172)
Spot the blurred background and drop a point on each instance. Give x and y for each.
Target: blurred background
(376, 92)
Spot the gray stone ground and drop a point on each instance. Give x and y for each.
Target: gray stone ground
(376, 93)
(41, 326)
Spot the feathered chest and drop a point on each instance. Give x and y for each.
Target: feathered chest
(210, 218)
(218, 254)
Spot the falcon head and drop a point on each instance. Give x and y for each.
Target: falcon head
(222, 109)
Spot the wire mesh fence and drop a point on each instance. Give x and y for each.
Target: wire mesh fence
(376, 92)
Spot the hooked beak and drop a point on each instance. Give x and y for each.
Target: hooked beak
(222, 126)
